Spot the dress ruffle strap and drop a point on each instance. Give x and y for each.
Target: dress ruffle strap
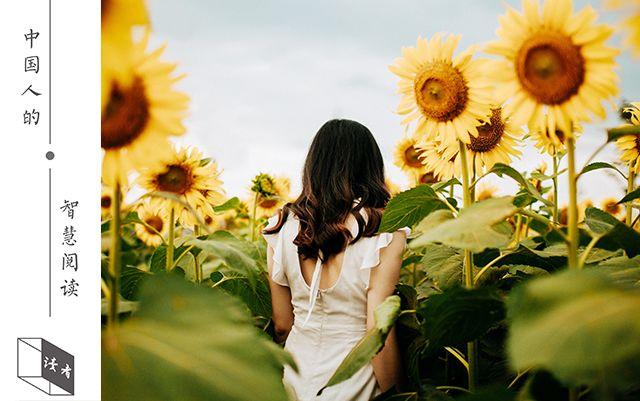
(371, 256)
(276, 242)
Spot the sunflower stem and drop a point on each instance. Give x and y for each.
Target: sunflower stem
(198, 266)
(170, 240)
(556, 162)
(253, 217)
(573, 205)
(630, 186)
(467, 200)
(114, 258)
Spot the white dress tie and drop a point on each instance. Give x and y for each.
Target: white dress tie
(314, 289)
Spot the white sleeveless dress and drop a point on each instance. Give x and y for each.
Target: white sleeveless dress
(328, 322)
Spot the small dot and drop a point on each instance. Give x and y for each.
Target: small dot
(50, 155)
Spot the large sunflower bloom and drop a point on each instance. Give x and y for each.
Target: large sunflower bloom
(629, 145)
(118, 19)
(555, 63)
(497, 142)
(139, 113)
(191, 178)
(156, 222)
(447, 97)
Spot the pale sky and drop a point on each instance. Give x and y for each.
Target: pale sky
(263, 76)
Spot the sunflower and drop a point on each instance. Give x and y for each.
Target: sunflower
(631, 22)
(486, 191)
(156, 222)
(447, 97)
(105, 203)
(439, 162)
(555, 62)
(563, 218)
(629, 145)
(611, 206)
(118, 19)
(106, 200)
(552, 142)
(270, 192)
(497, 142)
(407, 156)
(631, 113)
(191, 178)
(139, 113)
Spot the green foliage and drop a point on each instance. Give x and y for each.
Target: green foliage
(473, 229)
(410, 207)
(189, 343)
(501, 169)
(631, 196)
(615, 234)
(579, 326)
(459, 315)
(443, 265)
(241, 256)
(231, 204)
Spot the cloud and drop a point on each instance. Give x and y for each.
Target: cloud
(264, 76)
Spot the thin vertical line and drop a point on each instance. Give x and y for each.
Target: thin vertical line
(50, 242)
(50, 85)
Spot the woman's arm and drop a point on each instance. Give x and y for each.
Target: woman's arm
(386, 365)
(282, 310)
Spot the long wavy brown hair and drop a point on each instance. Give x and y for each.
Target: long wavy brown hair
(343, 175)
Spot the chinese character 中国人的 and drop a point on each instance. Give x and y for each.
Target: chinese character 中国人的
(31, 117)
(33, 92)
(50, 363)
(30, 37)
(70, 288)
(70, 260)
(69, 207)
(68, 236)
(32, 63)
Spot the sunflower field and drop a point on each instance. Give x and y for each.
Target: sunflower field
(510, 297)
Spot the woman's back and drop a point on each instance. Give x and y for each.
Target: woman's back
(330, 316)
(329, 268)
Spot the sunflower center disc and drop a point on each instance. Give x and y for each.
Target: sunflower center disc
(441, 91)
(488, 134)
(105, 202)
(428, 178)
(612, 207)
(104, 7)
(176, 180)
(125, 116)
(411, 157)
(268, 203)
(550, 67)
(155, 222)
(638, 143)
